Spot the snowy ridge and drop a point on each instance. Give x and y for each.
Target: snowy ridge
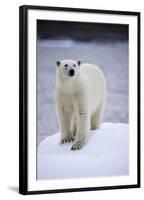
(106, 154)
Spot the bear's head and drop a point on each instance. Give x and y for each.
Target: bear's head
(68, 68)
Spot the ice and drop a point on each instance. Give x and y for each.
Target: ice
(105, 154)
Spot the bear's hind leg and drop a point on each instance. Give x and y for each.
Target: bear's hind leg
(95, 121)
(73, 126)
(96, 118)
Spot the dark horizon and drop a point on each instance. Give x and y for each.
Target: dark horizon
(47, 29)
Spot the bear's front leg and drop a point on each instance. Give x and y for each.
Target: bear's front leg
(64, 119)
(64, 122)
(66, 135)
(83, 128)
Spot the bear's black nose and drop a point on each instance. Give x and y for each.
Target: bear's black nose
(71, 72)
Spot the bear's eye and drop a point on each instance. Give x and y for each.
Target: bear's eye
(74, 65)
(66, 65)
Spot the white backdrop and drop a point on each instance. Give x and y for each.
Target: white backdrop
(9, 36)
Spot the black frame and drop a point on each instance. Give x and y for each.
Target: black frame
(23, 103)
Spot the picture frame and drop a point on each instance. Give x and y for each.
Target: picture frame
(28, 82)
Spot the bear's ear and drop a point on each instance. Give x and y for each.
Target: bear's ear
(58, 63)
(79, 62)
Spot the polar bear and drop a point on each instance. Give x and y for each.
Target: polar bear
(80, 96)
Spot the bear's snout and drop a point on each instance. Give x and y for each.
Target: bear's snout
(71, 72)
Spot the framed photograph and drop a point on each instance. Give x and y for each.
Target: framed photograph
(79, 127)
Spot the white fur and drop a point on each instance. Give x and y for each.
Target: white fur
(79, 100)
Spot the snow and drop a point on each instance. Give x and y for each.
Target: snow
(106, 154)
